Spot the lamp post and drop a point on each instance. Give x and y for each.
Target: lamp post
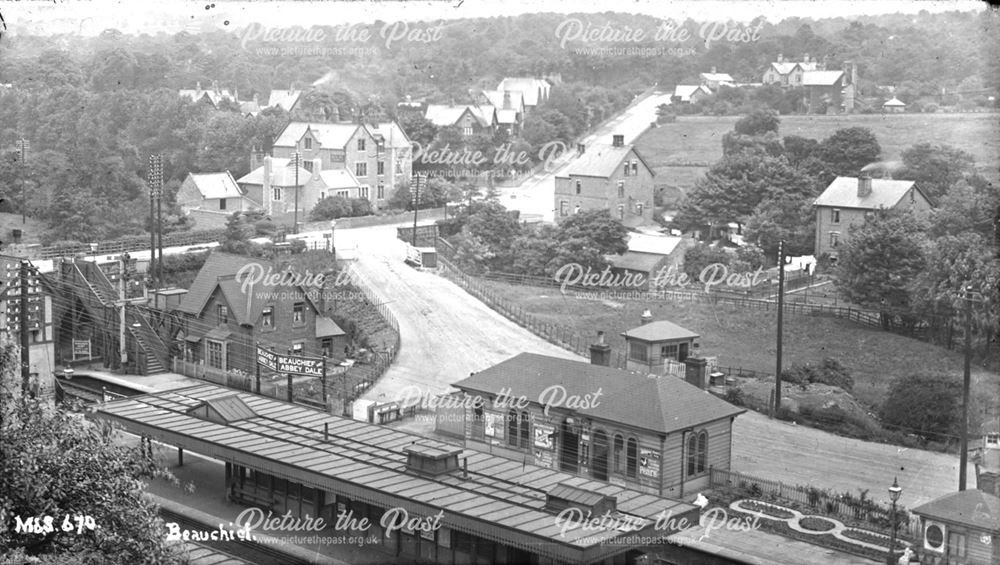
(894, 491)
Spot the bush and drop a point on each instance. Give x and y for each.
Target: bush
(735, 397)
(829, 372)
(333, 207)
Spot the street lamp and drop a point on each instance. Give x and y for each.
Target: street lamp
(894, 491)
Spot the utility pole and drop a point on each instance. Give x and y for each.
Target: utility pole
(154, 178)
(23, 316)
(966, 385)
(22, 146)
(418, 180)
(297, 157)
(781, 313)
(123, 263)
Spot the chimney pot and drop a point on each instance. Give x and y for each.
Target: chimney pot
(646, 317)
(805, 58)
(618, 140)
(197, 86)
(780, 58)
(713, 70)
(600, 352)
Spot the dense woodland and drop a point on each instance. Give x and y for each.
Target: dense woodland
(94, 108)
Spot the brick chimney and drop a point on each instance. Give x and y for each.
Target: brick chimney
(580, 149)
(713, 70)
(600, 352)
(988, 482)
(618, 140)
(695, 372)
(864, 184)
(646, 317)
(197, 86)
(506, 100)
(781, 58)
(805, 58)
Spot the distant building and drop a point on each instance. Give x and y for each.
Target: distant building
(687, 93)
(788, 73)
(714, 80)
(849, 201)
(534, 91)
(213, 192)
(894, 106)
(274, 185)
(509, 108)
(962, 528)
(658, 348)
(287, 100)
(213, 95)
(831, 91)
(607, 177)
(470, 119)
(647, 255)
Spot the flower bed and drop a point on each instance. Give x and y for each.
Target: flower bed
(768, 509)
(866, 536)
(816, 524)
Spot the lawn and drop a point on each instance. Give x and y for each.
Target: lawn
(747, 338)
(678, 151)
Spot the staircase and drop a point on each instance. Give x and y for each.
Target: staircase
(99, 299)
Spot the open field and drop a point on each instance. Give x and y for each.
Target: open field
(31, 230)
(746, 338)
(697, 140)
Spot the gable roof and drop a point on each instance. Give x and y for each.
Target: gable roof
(531, 89)
(685, 91)
(281, 174)
(659, 331)
(972, 508)
(821, 78)
(284, 99)
(507, 116)
(338, 179)
(392, 135)
(716, 77)
(658, 244)
(217, 265)
(216, 185)
(633, 261)
(496, 98)
(660, 404)
(786, 67)
(328, 135)
(843, 193)
(600, 160)
(444, 115)
(894, 102)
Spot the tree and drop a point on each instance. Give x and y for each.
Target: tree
(758, 122)
(798, 149)
(790, 219)
(935, 168)
(700, 256)
(331, 208)
(924, 404)
(495, 228)
(965, 207)
(848, 150)
(58, 463)
(880, 259)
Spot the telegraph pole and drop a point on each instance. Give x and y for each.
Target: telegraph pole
(23, 316)
(297, 157)
(23, 145)
(155, 180)
(781, 312)
(966, 385)
(419, 179)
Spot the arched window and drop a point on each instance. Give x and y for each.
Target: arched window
(619, 453)
(633, 458)
(692, 454)
(702, 451)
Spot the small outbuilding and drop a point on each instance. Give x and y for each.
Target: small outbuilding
(654, 347)
(895, 105)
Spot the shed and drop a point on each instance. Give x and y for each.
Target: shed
(894, 105)
(655, 345)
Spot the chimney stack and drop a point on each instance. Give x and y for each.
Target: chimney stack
(506, 100)
(600, 352)
(618, 140)
(713, 70)
(580, 149)
(646, 317)
(805, 58)
(864, 184)
(781, 58)
(695, 372)
(988, 482)
(197, 86)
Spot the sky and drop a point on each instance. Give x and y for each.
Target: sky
(90, 17)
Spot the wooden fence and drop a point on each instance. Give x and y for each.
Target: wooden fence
(133, 243)
(877, 517)
(364, 376)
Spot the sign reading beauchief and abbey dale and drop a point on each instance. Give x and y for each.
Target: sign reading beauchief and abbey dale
(306, 366)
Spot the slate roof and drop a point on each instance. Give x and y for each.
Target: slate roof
(684, 91)
(216, 185)
(333, 136)
(716, 77)
(281, 174)
(325, 327)
(339, 179)
(496, 98)
(786, 67)
(499, 498)
(507, 116)
(971, 508)
(217, 265)
(391, 133)
(659, 404)
(659, 331)
(843, 193)
(444, 115)
(894, 103)
(821, 78)
(639, 262)
(600, 160)
(659, 244)
(531, 89)
(284, 99)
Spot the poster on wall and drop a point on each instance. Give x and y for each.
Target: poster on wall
(544, 458)
(543, 435)
(494, 425)
(649, 463)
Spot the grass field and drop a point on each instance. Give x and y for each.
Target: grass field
(698, 139)
(747, 338)
(30, 230)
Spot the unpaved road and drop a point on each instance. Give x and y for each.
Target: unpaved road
(446, 334)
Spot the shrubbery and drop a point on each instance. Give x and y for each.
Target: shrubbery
(829, 371)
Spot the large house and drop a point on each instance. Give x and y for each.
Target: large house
(849, 201)
(378, 155)
(607, 177)
(656, 434)
(224, 317)
(509, 108)
(831, 91)
(714, 80)
(788, 73)
(274, 185)
(213, 192)
(470, 119)
(534, 91)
